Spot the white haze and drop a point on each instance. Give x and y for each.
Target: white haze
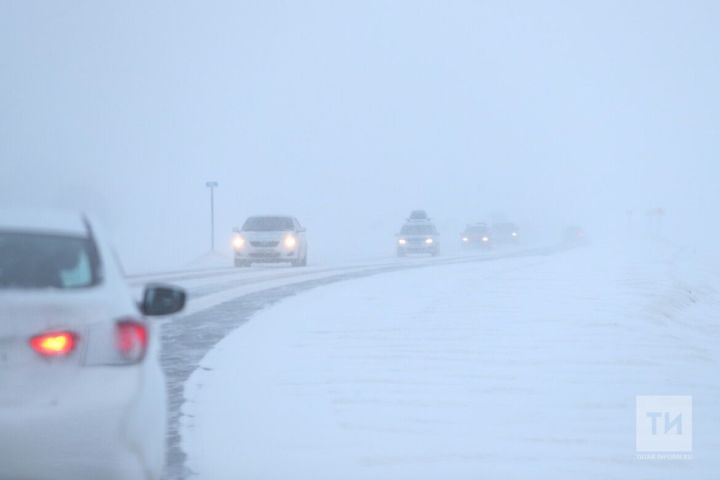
(349, 115)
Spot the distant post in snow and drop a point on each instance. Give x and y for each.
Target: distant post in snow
(655, 217)
(212, 185)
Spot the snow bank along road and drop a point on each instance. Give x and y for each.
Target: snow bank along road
(223, 299)
(522, 368)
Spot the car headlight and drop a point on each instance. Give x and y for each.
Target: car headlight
(402, 241)
(290, 241)
(429, 241)
(514, 234)
(485, 239)
(238, 242)
(466, 239)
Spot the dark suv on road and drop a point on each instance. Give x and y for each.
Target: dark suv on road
(505, 232)
(476, 236)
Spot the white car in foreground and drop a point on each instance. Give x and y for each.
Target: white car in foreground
(82, 395)
(270, 239)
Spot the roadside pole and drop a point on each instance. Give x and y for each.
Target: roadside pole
(212, 185)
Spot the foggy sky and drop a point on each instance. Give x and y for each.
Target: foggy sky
(349, 114)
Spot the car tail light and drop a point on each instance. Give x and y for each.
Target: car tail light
(131, 340)
(54, 344)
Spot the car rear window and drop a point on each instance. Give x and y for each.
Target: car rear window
(268, 224)
(418, 230)
(34, 261)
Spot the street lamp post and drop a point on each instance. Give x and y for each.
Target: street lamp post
(212, 186)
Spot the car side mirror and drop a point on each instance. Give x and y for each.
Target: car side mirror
(301, 230)
(161, 300)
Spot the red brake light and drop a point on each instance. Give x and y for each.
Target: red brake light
(54, 344)
(132, 340)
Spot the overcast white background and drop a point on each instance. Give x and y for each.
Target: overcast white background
(348, 115)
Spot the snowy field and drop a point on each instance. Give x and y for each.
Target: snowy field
(518, 368)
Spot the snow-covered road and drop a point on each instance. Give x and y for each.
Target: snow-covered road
(526, 367)
(222, 299)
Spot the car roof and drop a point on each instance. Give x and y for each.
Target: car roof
(419, 221)
(43, 220)
(271, 216)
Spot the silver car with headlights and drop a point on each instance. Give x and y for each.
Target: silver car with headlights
(418, 237)
(270, 239)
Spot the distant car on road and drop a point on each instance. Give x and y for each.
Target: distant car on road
(505, 232)
(576, 234)
(477, 235)
(418, 236)
(270, 239)
(82, 394)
